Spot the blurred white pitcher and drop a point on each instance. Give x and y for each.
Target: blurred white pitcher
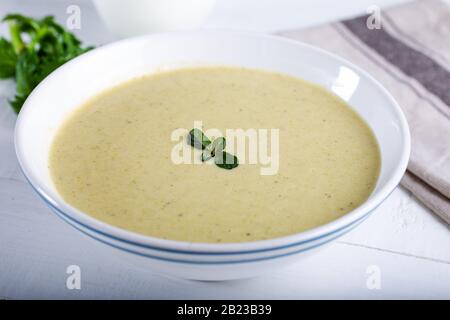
(127, 18)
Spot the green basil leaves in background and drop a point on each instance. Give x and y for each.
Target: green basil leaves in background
(8, 59)
(214, 149)
(36, 48)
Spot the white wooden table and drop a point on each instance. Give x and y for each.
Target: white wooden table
(402, 240)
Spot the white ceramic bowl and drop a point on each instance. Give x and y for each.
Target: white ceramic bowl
(75, 82)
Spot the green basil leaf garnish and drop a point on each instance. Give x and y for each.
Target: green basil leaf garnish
(225, 160)
(218, 145)
(207, 154)
(197, 139)
(215, 149)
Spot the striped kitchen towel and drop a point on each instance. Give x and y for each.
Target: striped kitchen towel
(409, 53)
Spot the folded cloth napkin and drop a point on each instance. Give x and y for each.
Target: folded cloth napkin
(409, 53)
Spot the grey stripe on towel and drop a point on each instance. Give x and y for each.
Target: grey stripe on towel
(415, 64)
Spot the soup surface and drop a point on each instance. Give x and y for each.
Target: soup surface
(113, 157)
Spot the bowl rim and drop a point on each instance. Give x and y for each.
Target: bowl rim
(175, 246)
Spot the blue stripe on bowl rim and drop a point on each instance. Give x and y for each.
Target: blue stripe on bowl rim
(172, 260)
(145, 246)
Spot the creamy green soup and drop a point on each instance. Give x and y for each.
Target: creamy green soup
(112, 158)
